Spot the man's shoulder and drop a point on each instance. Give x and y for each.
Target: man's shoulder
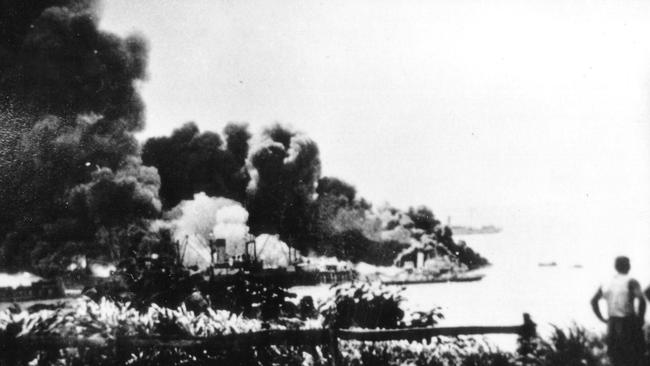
(619, 281)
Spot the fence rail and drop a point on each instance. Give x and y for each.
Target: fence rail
(36, 291)
(302, 337)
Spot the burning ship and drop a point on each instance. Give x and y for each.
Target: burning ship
(269, 259)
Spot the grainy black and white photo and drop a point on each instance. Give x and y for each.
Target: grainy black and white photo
(324, 182)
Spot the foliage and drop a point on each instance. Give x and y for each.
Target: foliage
(368, 305)
(107, 319)
(352, 245)
(440, 351)
(341, 226)
(363, 305)
(275, 355)
(248, 295)
(461, 250)
(420, 319)
(565, 347)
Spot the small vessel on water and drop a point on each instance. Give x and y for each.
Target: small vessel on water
(547, 264)
(469, 230)
(443, 279)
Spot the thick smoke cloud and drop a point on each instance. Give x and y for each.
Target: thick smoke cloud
(231, 226)
(271, 251)
(53, 157)
(121, 197)
(331, 186)
(57, 61)
(69, 105)
(190, 162)
(424, 219)
(114, 200)
(285, 169)
(237, 137)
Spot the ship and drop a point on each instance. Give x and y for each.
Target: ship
(470, 230)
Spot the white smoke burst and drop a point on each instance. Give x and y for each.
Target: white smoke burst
(205, 218)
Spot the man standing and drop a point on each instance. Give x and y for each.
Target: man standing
(625, 343)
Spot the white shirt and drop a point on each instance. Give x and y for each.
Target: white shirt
(620, 300)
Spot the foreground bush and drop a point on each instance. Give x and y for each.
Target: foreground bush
(354, 305)
(574, 346)
(441, 351)
(367, 305)
(107, 319)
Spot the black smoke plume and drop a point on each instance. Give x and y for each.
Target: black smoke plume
(331, 186)
(190, 162)
(55, 60)
(285, 171)
(69, 105)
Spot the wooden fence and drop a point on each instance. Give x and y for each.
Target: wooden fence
(123, 346)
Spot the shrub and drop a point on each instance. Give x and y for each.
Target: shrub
(571, 347)
(368, 305)
(353, 245)
(251, 296)
(107, 319)
(363, 305)
(575, 346)
(440, 351)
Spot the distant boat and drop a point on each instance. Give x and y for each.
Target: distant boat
(470, 230)
(547, 264)
(467, 278)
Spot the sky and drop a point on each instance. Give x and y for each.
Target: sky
(491, 112)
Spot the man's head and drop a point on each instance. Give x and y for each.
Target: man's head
(622, 264)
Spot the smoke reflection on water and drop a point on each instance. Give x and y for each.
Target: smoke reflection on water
(515, 283)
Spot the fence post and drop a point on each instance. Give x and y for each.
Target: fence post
(529, 329)
(334, 348)
(527, 336)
